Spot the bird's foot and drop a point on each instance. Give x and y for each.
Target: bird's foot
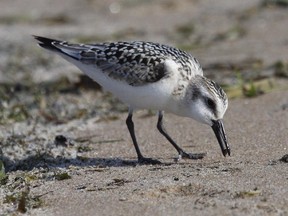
(147, 161)
(195, 156)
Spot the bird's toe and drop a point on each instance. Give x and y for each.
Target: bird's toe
(194, 156)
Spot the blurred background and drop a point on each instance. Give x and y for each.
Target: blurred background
(225, 33)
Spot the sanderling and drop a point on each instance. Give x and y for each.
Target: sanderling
(147, 75)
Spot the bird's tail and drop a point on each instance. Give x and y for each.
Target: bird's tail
(65, 49)
(47, 43)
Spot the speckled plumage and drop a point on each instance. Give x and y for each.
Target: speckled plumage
(152, 76)
(136, 63)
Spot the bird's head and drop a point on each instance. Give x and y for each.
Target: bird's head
(207, 103)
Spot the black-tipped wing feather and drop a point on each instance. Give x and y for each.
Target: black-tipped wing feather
(134, 63)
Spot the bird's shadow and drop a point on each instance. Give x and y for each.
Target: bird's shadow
(46, 160)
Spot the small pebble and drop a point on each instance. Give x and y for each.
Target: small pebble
(284, 158)
(60, 140)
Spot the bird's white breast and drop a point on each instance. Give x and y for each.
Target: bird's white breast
(150, 96)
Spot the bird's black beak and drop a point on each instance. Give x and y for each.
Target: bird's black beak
(219, 131)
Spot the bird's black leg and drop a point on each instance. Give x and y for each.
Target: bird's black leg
(141, 158)
(181, 152)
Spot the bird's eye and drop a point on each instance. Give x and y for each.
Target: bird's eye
(210, 103)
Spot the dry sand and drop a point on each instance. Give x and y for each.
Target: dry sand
(251, 182)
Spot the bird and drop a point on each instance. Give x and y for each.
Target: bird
(154, 76)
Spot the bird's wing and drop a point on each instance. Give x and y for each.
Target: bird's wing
(135, 63)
